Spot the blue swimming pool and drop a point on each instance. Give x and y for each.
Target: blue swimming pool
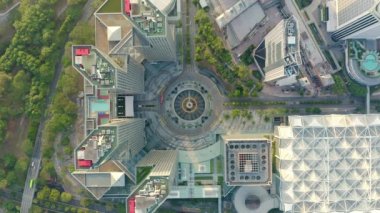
(99, 106)
(370, 62)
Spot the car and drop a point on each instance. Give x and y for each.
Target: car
(32, 163)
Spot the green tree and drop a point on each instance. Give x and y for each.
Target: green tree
(85, 202)
(226, 116)
(37, 209)
(3, 184)
(44, 193)
(54, 195)
(20, 83)
(48, 170)
(3, 127)
(21, 166)
(339, 87)
(235, 113)
(66, 197)
(11, 177)
(9, 161)
(266, 118)
(5, 81)
(10, 206)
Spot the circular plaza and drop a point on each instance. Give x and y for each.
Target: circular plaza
(188, 105)
(189, 115)
(363, 62)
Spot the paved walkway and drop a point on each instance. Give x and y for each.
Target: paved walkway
(9, 10)
(201, 155)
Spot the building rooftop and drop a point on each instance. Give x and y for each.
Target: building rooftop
(154, 189)
(231, 13)
(344, 12)
(97, 145)
(248, 161)
(329, 163)
(147, 17)
(98, 183)
(96, 67)
(282, 50)
(242, 24)
(162, 161)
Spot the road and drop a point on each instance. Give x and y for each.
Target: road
(9, 10)
(343, 99)
(33, 171)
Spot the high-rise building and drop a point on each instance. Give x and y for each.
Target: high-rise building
(155, 176)
(103, 73)
(156, 34)
(280, 52)
(144, 29)
(247, 161)
(353, 19)
(329, 163)
(116, 140)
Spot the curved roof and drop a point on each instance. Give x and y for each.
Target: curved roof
(329, 163)
(266, 201)
(164, 6)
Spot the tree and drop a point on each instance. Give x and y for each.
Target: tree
(242, 71)
(11, 177)
(85, 202)
(83, 33)
(226, 116)
(5, 80)
(20, 84)
(10, 206)
(37, 209)
(338, 88)
(9, 161)
(48, 170)
(266, 118)
(3, 184)
(3, 127)
(66, 197)
(54, 195)
(235, 113)
(44, 193)
(21, 166)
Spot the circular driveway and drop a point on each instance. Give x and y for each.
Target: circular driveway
(253, 199)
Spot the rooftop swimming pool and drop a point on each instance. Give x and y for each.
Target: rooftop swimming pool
(97, 106)
(370, 62)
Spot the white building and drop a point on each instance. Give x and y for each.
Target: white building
(103, 73)
(329, 163)
(116, 140)
(282, 53)
(155, 177)
(350, 19)
(237, 19)
(150, 19)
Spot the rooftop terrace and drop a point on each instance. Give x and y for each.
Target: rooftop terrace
(94, 66)
(248, 162)
(149, 195)
(146, 16)
(96, 147)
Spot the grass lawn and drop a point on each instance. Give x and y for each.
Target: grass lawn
(329, 58)
(142, 172)
(203, 177)
(316, 34)
(212, 166)
(303, 3)
(112, 6)
(219, 165)
(220, 180)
